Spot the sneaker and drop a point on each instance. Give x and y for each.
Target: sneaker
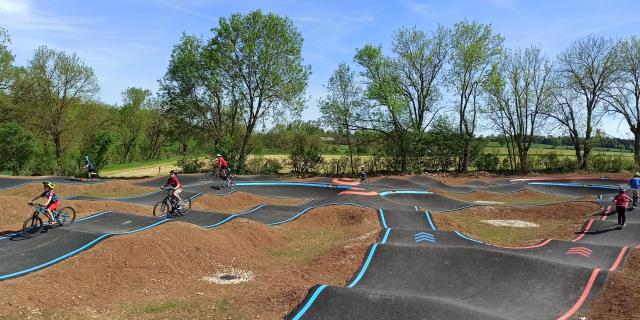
(624, 224)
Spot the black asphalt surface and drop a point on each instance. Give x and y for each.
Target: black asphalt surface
(7, 182)
(415, 271)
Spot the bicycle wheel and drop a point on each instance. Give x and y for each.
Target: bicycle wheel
(186, 207)
(161, 208)
(66, 216)
(32, 226)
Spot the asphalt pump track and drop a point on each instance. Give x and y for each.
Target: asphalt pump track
(414, 271)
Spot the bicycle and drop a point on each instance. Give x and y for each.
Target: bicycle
(34, 224)
(224, 174)
(169, 207)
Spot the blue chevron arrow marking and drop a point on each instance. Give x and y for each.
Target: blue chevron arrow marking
(423, 236)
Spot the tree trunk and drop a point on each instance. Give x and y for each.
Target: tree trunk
(242, 157)
(636, 146)
(585, 157)
(350, 151)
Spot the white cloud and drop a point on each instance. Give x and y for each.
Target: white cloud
(20, 15)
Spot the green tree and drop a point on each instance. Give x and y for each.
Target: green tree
(17, 146)
(623, 97)
(586, 71)
(260, 62)
(475, 48)
(519, 92)
(344, 99)
(132, 119)
(6, 61)
(53, 84)
(102, 144)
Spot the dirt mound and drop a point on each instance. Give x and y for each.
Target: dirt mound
(556, 221)
(159, 273)
(115, 188)
(520, 197)
(238, 201)
(621, 293)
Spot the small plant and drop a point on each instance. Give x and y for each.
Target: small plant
(190, 165)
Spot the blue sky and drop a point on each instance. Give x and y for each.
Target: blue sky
(128, 42)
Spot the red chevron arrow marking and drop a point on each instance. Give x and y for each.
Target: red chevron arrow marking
(585, 252)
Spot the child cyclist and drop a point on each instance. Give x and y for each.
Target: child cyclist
(53, 200)
(175, 186)
(622, 201)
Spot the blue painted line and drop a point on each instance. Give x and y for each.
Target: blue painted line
(574, 185)
(384, 222)
(386, 193)
(93, 216)
(433, 225)
(314, 207)
(110, 198)
(295, 184)
(364, 266)
(386, 236)
(78, 250)
(233, 216)
(310, 302)
(50, 262)
(462, 235)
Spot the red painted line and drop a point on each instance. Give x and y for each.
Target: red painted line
(345, 183)
(543, 243)
(619, 259)
(360, 193)
(607, 211)
(583, 297)
(586, 229)
(569, 178)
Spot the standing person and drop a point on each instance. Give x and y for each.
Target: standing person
(622, 201)
(53, 200)
(634, 183)
(176, 187)
(363, 174)
(91, 169)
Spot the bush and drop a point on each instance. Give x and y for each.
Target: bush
(18, 148)
(190, 165)
(606, 163)
(305, 160)
(261, 165)
(487, 162)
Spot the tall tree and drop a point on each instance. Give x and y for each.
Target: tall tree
(6, 61)
(132, 119)
(54, 83)
(419, 61)
(7, 74)
(388, 109)
(194, 94)
(519, 91)
(586, 70)
(158, 127)
(475, 48)
(260, 61)
(344, 99)
(624, 96)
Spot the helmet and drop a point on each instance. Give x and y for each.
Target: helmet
(362, 167)
(86, 157)
(621, 190)
(637, 174)
(49, 184)
(218, 155)
(172, 172)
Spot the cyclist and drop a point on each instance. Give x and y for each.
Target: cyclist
(91, 169)
(53, 200)
(622, 201)
(222, 166)
(634, 183)
(175, 186)
(363, 174)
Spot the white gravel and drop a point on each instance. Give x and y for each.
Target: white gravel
(236, 276)
(511, 223)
